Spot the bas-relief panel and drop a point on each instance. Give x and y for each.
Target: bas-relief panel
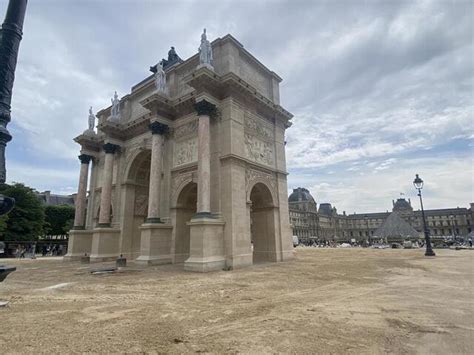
(186, 129)
(185, 152)
(141, 202)
(258, 127)
(258, 150)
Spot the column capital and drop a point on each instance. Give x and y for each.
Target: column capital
(158, 128)
(110, 148)
(204, 107)
(85, 159)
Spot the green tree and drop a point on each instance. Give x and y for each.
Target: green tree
(25, 220)
(58, 219)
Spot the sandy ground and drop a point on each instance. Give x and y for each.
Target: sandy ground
(326, 301)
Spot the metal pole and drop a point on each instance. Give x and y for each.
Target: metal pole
(10, 37)
(11, 33)
(429, 249)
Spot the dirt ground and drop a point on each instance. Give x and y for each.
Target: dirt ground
(329, 301)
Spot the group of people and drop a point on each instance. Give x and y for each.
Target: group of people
(30, 250)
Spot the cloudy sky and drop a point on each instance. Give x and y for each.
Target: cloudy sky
(380, 90)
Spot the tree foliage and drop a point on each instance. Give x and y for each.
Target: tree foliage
(58, 219)
(25, 221)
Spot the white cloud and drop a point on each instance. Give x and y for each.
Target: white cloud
(368, 84)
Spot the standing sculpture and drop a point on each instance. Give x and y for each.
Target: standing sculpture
(160, 79)
(205, 51)
(115, 111)
(91, 120)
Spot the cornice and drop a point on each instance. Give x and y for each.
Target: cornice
(252, 164)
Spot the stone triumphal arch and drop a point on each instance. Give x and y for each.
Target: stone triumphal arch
(189, 167)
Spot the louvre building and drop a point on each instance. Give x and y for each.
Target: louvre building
(311, 222)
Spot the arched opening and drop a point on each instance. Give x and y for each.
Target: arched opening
(185, 209)
(262, 224)
(136, 196)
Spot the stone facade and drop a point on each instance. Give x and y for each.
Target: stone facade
(196, 175)
(310, 223)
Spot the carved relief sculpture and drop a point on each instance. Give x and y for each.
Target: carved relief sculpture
(258, 151)
(185, 152)
(115, 111)
(186, 129)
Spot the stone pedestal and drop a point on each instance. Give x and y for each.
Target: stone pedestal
(155, 244)
(105, 244)
(80, 243)
(207, 245)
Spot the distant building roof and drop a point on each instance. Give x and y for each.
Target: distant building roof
(325, 209)
(395, 226)
(444, 211)
(402, 205)
(50, 199)
(373, 215)
(300, 194)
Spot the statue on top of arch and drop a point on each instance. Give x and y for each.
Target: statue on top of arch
(205, 51)
(160, 78)
(115, 111)
(90, 129)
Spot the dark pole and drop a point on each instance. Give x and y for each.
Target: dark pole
(429, 249)
(10, 36)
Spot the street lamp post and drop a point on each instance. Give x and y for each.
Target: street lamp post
(11, 33)
(418, 183)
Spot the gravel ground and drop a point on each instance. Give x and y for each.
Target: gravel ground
(360, 301)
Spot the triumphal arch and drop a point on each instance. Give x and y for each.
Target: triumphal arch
(189, 167)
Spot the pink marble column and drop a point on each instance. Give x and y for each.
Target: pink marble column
(204, 110)
(79, 217)
(106, 193)
(157, 130)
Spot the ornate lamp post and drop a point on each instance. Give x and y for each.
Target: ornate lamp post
(418, 183)
(10, 37)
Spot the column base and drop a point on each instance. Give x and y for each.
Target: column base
(239, 261)
(79, 244)
(154, 220)
(207, 245)
(155, 244)
(105, 244)
(201, 215)
(287, 255)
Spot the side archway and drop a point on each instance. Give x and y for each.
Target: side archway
(135, 195)
(185, 209)
(262, 223)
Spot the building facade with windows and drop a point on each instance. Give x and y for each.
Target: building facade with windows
(324, 223)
